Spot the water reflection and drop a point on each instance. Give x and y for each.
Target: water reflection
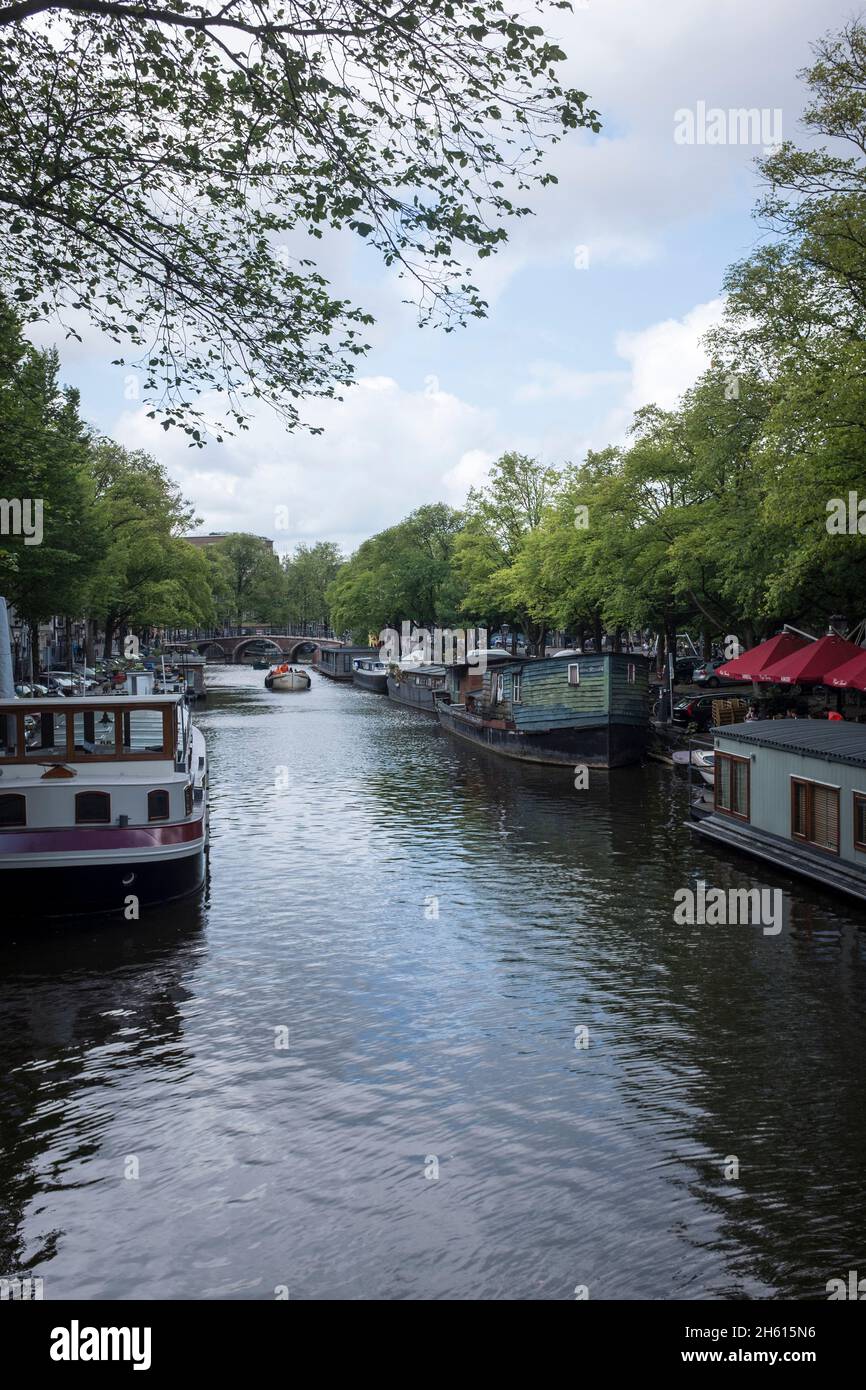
(431, 926)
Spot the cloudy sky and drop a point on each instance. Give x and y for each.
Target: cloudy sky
(597, 304)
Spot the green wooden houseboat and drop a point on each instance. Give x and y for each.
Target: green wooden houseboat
(588, 708)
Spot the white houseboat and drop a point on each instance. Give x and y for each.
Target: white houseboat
(793, 793)
(101, 797)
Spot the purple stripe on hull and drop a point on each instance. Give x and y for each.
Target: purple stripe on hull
(84, 839)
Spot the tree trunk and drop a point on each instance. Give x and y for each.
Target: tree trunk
(596, 630)
(108, 644)
(33, 629)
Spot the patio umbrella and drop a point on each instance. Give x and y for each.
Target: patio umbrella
(852, 675)
(814, 663)
(749, 665)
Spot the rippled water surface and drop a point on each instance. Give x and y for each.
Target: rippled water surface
(431, 925)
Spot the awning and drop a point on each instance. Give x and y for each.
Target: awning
(852, 675)
(816, 662)
(749, 666)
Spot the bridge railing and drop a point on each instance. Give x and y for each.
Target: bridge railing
(204, 634)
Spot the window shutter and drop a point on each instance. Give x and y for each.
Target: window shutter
(826, 817)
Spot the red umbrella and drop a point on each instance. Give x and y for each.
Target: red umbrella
(815, 662)
(749, 665)
(853, 674)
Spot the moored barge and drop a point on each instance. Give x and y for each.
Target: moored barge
(370, 674)
(590, 709)
(336, 662)
(102, 799)
(417, 684)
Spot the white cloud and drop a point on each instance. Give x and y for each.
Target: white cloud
(384, 452)
(666, 358)
(551, 379)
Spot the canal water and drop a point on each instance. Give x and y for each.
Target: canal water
(431, 1032)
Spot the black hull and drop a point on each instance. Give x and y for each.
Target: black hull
(601, 745)
(74, 892)
(367, 681)
(415, 697)
(344, 676)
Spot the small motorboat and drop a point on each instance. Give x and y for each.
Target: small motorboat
(287, 677)
(701, 758)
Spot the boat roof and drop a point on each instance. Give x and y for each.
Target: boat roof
(61, 702)
(832, 739)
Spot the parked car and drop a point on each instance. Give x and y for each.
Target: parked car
(28, 691)
(694, 709)
(685, 667)
(85, 677)
(58, 684)
(706, 672)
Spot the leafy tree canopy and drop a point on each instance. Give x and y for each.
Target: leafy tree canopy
(165, 164)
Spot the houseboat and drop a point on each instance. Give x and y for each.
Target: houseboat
(793, 793)
(417, 684)
(336, 662)
(101, 797)
(370, 674)
(590, 708)
(286, 677)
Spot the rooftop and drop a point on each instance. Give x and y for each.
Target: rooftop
(832, 739)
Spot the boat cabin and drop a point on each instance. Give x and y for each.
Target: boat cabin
(577, 707)
(793, 792)
(554, 692)
(95, 761)
(336, 662)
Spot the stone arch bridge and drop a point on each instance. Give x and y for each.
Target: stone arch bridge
(233, 650)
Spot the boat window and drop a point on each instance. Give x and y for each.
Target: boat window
(815, 814)
(860, 820)
(630, 673)
(732, 785)
(45, 735)
(157, 805)
(573, 673)
(13, 809)
(92, 808)
(8, 736)
(187, 800)
(517, 687)
(142, 731)
(95, 732)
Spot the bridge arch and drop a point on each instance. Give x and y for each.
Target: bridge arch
(245, 642)
(211, 651)
(304, 646)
